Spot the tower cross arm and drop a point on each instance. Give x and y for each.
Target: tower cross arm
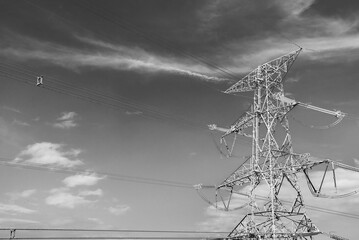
(335, 113)
(275, 70)
(243, 122)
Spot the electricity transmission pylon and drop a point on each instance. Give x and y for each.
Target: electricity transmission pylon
(272, 163)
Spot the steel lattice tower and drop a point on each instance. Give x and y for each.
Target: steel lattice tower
(273, 162)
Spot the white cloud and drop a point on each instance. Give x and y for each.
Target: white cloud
(14, 209)
(96, 220)
(119, 209)
(192, 154)
(324, 49)
(66, 120)
(292, 80)
(217, 220)
(11, 109)
(27, 193)
(10, 136)
(82, 180)
(295, 7)
(47, 153)
(20, 123)
(356, 161)
(17, 220)
(323, 34)
(61, 221)
(133, 112)
(347, 181)
(23, 194)
(137, 58)
(60, 197)
(97, 192)
(65, 124)
(67, 116)
(106, 56)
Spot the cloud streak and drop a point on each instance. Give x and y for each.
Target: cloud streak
(20, 123)
(119, 209)
(60, 197)
(105, 55)
(24, 194)
(66, 120)
(50, 154)
(11, 109)
(82, 180)
(240, 57)
(14, 209)
(18, 220)
(346, 181)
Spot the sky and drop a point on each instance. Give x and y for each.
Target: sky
(158, 69)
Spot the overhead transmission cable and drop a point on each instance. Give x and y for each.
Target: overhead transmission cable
(123, 100)
(117, 20)
(183, 52)
(153, 181)
(133, 29)
(109, 230)
(96, 97)
(26, 76)
(143, 180)
(129, 238)
(160, 41)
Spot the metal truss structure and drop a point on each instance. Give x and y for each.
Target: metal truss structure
(273, 163)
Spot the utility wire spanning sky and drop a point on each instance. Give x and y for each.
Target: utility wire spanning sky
(129, 87)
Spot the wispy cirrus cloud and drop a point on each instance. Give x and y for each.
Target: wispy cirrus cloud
(61, 221)
(11, 109)
(294, 7)
(97, 192)
(331, 37)
(119, 209)
(104, 55)
(133, 112)
(49, 154)
(13, 209)
(66, 120)
(96, 220)
(20, 123)
(292, 80)
(18, 220)
(24, 194)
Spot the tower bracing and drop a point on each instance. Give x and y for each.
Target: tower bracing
(271, 169)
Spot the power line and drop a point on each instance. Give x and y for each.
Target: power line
(134, 237)
(129, 27)
(151, 181)
(113, 176)
(92, 96)
(124, 177)
(109, 230)
(126, 101)
(99, 98)
(88, 92)
(103, 36)
(160, 41)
